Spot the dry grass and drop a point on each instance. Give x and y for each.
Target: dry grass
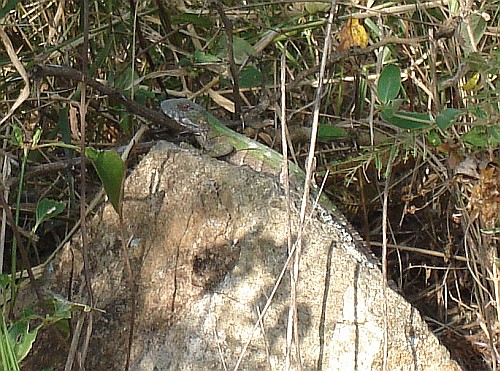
(442, 215)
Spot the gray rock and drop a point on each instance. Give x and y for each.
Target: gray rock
(208, 242)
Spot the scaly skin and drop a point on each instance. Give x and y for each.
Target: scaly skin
(220, 141)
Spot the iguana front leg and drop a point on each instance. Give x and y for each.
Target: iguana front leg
(196, 120)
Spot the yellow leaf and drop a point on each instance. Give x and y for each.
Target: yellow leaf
(352, 34)
(471, 83)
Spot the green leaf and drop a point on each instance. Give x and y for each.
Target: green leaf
(195, 19)
(494, 132)
(445, 118)
(317, 7)
(478, 26)
(434, 139)
(126, 79)
(22, 339)
(406, 120)
(327, 133)
(477, 137)
(46, 209)
(17, 136)
(36, 137)
(482, 136)
(200, 57)
(63, 125)
(111, 170)
(241, 49)
(8, 7)
(389, 83)
(124, 121)
(250, 77)
(142, 96)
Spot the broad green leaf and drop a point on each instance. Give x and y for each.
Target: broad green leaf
(4, 281)
(46, 209)
(111, 170)
(445, 118)
(406, 120)
(250, 77)
(22, 338)
(478, 26)
(477, 137)
(389, 83)
(327, 133)
(472, 82)
(373, 28)
(482, 136)
(241, 49)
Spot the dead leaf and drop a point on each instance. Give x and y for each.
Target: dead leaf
(352, 34)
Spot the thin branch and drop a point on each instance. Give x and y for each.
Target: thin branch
(155, 116)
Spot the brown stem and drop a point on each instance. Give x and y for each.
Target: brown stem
(154, 116)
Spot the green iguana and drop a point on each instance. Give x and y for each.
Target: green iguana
(220, 141)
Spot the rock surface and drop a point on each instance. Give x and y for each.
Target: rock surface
(207, 242)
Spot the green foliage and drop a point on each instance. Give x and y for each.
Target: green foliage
(317, 7)
(8, 358)
(446, 117)
(478, 25)
(406, 120)
(17, 136)
(327, 133)
(251, 77)
(111, 170)
(201, 57)
(433, 138)
(388, 88)
(9, 5)
(22, 333)
(47, 209)
(241, 49)
(22, 338)
(389, 84)
(126, 79)
(196, 37)
(195, 19)
(482, 136)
